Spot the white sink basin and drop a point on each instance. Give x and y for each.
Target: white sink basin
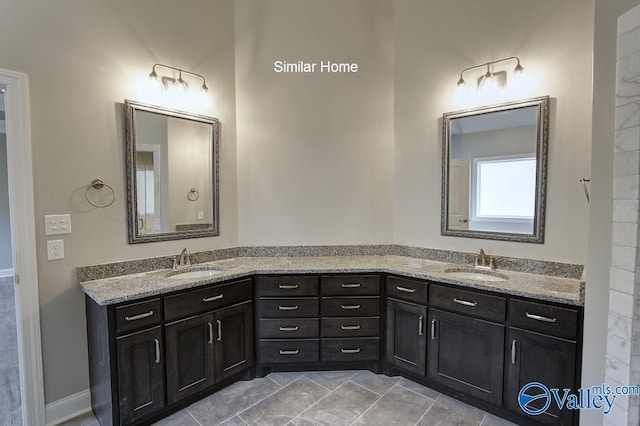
(199, 273)
(476, 275)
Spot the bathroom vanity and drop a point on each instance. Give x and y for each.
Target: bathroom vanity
(158, 344)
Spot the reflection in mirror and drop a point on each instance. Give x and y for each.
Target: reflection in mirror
(494, 171)
(172, 161)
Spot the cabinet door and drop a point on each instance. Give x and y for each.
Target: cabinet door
(140, 374)
(406, 343)
(234, 340)
(189, 356)
(466, 354)
(533, 357)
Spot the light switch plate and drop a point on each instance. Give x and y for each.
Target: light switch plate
(55, 249)
(57, 224)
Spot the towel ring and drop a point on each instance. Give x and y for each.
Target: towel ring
(99, 184)
(584, 181)
(193, 195)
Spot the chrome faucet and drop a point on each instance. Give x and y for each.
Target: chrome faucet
(483, 261)
(185, 257)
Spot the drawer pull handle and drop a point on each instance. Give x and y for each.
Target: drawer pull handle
(211, 299)
(288, 286)
(513, 352)
(350, 327)
(350, 306)
(464, 302)
(350, 285)
(157, 351)
(219, 331)
(139, 316)
(288, 308)
(433, 329)
(350, 351)
(406, 290)
(283, 352)
(540, 318)
(420, 319)
(288, 328)
(210, 333)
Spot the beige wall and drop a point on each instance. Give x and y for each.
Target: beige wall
(314, 150)
(83, 59)
(434, 42)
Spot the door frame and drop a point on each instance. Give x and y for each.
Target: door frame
(23, 237)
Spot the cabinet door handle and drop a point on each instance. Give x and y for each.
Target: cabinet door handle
(433, 329)
(513, 352)
(420, 331)
(283, 352)
(157, 342)
(350, 351)
(139, 316)
(406, 290)
(540, 318)
(350, 306)
(210, 333)
(350, 327)
(219, 339)
(211, 299)
(464, 302)
(288, 308)
(288, 328)
(350, 285)
(288, 286)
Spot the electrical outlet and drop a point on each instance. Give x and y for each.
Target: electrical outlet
(200, 215)
(57, 224)
(55, 249)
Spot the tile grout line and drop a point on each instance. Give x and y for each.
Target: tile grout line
(315, 403)
(418, 393)
(259, 401)
(366, 388)
(426, 412)
(192, 416)
(372, 404)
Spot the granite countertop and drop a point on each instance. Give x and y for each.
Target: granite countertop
(131, 287)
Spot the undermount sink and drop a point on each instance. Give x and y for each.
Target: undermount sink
(476, 275)
(198, 273)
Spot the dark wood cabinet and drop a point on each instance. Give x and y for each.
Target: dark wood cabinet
(405, 335)
(466, 354)
(233, 346)
(189, 356)
(140, 374)
(534, 357)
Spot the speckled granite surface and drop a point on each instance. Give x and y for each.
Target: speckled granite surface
(95, 272)
(130, 287)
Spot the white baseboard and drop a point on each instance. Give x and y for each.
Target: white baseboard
(67, 408)
(6, 273)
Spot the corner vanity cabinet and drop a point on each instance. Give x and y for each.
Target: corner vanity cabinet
(146, 357)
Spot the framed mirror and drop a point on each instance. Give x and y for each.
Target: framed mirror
(172, 173)
(494, 162)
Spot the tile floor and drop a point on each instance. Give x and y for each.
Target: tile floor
(9, 370)
(325, 398)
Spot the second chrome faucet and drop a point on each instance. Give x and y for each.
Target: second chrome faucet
(483, 261)
(183, 259)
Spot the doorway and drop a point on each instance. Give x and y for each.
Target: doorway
(22, 399)
(10, 399)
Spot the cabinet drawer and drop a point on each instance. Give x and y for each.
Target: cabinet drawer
(288, 285)
(468, 302)
(351, 327)
(207, 299)
(291, 351)
(133, 316)
(350, 349)
(365, 306)
(289, 307)
(350, 285)
(409, 290)
(553, 320)
(282, 328)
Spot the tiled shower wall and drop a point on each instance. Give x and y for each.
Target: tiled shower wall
(623, 345)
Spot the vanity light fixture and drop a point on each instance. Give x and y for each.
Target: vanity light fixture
(168, 82)
(499, 77)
